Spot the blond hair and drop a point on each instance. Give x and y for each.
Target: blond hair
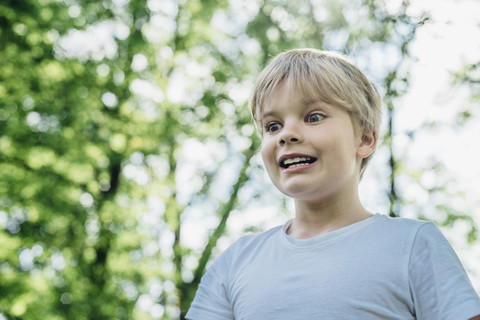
(321, 75)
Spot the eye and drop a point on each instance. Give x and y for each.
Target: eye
(272, 127)
(314, 117)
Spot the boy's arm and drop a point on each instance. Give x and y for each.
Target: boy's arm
(208, 305)
(212, 297)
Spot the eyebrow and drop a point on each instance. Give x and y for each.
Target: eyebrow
(309, 102)
(306, 102)
(266, 114)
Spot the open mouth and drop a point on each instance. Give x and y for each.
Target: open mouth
(296, 162)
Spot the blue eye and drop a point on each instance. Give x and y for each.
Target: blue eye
(314, 117)
(273, 126)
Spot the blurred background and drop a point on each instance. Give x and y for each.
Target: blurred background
(128, 159)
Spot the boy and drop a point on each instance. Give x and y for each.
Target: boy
(318, 116)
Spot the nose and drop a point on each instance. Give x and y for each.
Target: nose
(290, 135)
(287, 139)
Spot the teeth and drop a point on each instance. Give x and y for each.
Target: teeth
(296, 162)
(297, 165)
(296, 159)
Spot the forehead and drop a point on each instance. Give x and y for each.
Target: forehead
(294, 91)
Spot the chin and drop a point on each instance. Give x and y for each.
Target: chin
(298, 192)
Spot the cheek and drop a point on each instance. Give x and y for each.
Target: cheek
(267, 152)
(263, 152)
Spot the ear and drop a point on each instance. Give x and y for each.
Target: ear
(367, 144)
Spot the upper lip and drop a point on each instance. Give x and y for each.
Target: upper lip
(281, 161)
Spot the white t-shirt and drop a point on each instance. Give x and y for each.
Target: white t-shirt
(378, 268)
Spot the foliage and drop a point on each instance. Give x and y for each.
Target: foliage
(124, 132)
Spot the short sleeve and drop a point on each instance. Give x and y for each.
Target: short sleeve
(440, 287)
(212, 299)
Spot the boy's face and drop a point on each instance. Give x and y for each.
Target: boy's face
(310, 148)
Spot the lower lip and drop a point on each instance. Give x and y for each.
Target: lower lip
(299, 168)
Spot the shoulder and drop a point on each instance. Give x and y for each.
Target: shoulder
(396, 229)
(254, 237)
(244, 248)
(396, 237)
(251, 242)
(421, 233)
(402, 226)
(401, 222)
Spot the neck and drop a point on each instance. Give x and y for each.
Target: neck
(313, 219)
